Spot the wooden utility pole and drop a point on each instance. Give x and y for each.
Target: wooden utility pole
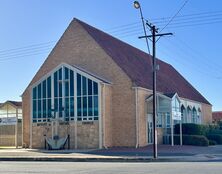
(154, 34)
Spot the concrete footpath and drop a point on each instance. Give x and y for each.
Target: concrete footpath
(165, 154)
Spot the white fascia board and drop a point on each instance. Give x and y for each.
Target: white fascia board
(76, 69)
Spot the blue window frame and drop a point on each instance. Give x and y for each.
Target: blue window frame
(56, 93)
(34, 93)
(44, 89)
(71, 83)
(55, 85)
(95, 88)
(49, 87)
(66, 73)
(34, 109)
(79, 89)
(39, 91)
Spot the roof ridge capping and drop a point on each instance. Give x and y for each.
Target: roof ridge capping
(82, 22)
(85, 24)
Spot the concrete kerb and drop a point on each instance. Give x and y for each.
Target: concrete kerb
(108, 159)
(90, 159)
(87, 156)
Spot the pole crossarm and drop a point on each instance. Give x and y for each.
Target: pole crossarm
(149, 36)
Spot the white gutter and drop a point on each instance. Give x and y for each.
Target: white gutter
(104, 113)
(137, 120)
(30, 127)
(100, 119)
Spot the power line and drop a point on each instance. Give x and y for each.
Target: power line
(201, 57)
(173, 25)
(29, 46)
(8, 57)
(166, 19)
(211, 17)
(196, 24)
(183, 61)
(203, 14)
(188, 56)
(194, 21)
(5, 54)
(175, 15)
(123, 26)
(123, 31)
(22, 56)
(133, 29)
(176, 20)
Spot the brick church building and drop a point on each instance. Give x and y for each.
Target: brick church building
(99, 89)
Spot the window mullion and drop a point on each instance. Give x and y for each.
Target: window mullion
(63, 93)
(93, 109)
(46, 100)
(81, 98)
(87, 102)
(69, 96)
(42, 101)
(52, 92)
(75, 95)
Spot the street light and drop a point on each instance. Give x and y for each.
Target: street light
(136, 4)
(153, 29)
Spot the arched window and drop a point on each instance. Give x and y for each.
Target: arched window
(176, 105)
(68, 93)
(183, 114)
(194, 115)
(199, 116)
(189, 113)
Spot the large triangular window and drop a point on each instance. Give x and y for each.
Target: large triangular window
(68, 92)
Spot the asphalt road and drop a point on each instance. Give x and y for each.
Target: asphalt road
(108, 168)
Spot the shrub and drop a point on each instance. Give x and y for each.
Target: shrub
(213, 127)
(192, 129)
(220, 125)
(212, 142)
(196, 140)
(215, 131)
(215, 137)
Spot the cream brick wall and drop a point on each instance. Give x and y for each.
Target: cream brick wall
(107, 115)
(7, 135)
(26, 103)
(142, 114)
(77, 48)
(87, 134)
(206, 113)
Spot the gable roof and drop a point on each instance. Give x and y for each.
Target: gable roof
(14, 103)
(217, 116)
(170, 95)
(138, 66)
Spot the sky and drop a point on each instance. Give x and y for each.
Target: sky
(30, 29)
